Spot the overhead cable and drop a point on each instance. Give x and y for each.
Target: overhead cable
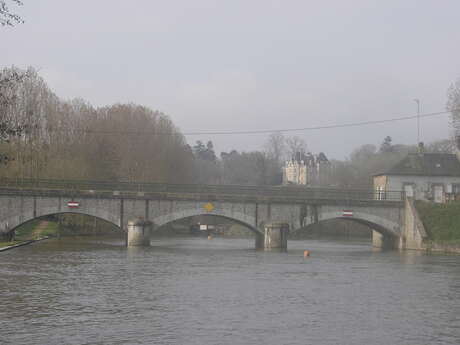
(265, 131)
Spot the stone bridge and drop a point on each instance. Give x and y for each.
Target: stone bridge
(268, 211)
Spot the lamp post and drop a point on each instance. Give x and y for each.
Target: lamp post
(416, 100)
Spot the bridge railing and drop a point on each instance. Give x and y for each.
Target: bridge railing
(291, 192)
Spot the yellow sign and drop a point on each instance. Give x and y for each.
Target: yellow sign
(209, 207)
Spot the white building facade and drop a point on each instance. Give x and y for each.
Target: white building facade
(307, 169)
(423, 176)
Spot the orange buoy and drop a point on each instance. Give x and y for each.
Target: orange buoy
(306, 253)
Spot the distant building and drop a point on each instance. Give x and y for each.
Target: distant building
(423, 176)
(307, 169)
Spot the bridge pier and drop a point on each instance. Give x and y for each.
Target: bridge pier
(384, 241)
(274, 236)
(139, 232)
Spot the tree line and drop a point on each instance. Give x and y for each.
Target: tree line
(43, 136)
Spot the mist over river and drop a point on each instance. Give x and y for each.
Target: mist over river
(195, 291)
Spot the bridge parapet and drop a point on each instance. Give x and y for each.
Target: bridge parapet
(195, 191)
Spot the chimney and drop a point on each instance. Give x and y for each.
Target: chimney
(421, 148)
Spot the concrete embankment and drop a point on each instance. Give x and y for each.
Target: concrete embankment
(414, 234)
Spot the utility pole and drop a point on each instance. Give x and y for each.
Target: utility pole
(416, 100)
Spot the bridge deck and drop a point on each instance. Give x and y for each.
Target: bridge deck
(136, 190)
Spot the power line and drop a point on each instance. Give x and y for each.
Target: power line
(352, 124)
(265, 131)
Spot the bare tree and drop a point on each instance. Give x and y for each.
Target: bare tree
(441, 146)
(50, 138)
(453, 105)
(248, 168)
(363, 163)
(7, 18)
(275, 147)
(11, 81)
(294, 145)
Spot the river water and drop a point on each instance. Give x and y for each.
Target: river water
(195, 291)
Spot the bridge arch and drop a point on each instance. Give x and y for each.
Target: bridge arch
(384, 226)
(237, 217)
(11, 223)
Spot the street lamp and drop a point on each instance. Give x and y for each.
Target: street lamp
(416, 100)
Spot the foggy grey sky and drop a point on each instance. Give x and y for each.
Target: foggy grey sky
(242, 65)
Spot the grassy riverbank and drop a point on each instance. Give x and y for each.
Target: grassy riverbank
(8, 244)
(33, 230)
(36, 229)
(441, 221)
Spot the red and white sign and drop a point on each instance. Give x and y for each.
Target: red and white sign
(73, 204)
(347, 213)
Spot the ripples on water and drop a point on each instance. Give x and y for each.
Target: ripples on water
(195, 291)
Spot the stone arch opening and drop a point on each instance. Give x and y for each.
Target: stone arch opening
(237, 217)
(160, 223)
(385, 233)
(384, 225)
(11, 224)
(375, 226)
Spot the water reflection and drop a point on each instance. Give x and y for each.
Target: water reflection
(195, 291)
